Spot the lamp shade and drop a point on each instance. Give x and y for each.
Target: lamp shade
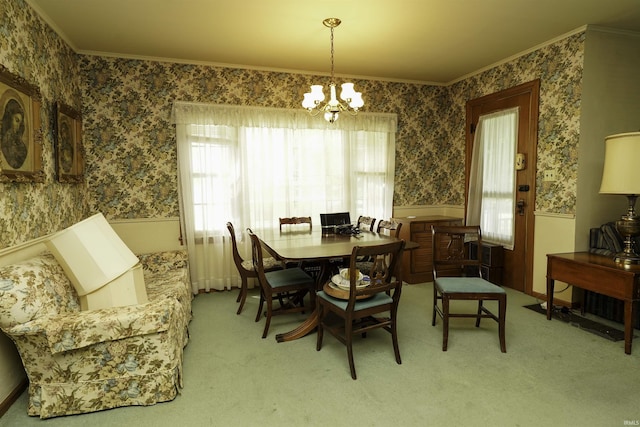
(91, 254)
(621, 163)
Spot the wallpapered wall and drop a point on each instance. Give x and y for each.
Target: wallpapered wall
(132, 165)
(130, 143)
(30, 49)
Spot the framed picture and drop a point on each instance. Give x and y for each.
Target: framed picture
(69, 149)
(20, 129)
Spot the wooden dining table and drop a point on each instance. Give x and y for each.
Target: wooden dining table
(316, 246)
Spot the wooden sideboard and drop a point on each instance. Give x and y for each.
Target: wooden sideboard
(416, 263)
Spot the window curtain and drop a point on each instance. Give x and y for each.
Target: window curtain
(251, 166)
(491, 198)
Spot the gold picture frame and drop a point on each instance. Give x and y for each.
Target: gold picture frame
(20, 129)
(69, 152)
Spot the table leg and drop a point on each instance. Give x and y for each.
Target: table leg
(629, 316)
(550, 286)
(303, 329)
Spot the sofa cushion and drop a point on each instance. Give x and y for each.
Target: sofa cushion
(36, 287)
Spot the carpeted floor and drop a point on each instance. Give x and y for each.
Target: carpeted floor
(574, 319)
(552, 374)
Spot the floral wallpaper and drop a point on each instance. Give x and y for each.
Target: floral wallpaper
(559, 67)
(130, 142)
(33, 51)
(127, 105)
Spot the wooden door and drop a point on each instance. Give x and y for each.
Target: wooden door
(518, 263)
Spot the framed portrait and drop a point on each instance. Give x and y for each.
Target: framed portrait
(20, 129)
(69, 151)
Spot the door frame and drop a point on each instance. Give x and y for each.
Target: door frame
(533, 89)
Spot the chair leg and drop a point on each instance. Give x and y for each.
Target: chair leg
(435, 303)
(320, 328)
(394, 339)
(260, 307)
(268, 321)
(445, 322)
(502, 314)
(348, 336)
(242, 295)
(479, 314)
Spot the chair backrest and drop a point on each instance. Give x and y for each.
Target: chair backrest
(237, 258)
(257, 255)
(367, 221)
(385, 274)
(296, 220)
(389, 227)
(451, 254)
(331, 221)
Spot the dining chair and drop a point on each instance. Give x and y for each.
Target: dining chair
(458, 276)
(296, 220)
(390, 227)
(245, 268)
(288, 286)
(366, 223)
(362, 306)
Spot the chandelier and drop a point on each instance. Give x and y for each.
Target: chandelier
(333, 107)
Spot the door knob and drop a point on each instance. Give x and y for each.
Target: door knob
(520, 206)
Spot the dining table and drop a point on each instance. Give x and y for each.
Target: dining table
(320, 247)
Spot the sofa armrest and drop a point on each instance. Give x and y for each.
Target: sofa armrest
(66, 332)
(161, 262)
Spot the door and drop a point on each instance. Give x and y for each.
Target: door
(518, 263)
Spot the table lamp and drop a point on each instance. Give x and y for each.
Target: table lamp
(620, 176)
(103, 270)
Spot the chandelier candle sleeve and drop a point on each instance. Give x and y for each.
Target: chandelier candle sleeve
(333, 107)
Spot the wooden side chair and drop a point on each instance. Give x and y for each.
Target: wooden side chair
(361, 307)
(296, 220)
(389, 226)
(366, 223)
(245, 268)
(288, 286)
(457, 277)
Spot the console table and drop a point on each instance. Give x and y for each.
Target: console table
(597, 273)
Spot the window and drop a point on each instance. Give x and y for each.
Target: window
(492, 178)
(307, 173)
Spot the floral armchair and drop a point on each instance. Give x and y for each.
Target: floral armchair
(83, 361)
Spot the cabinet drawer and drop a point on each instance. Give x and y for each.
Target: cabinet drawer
(419, 226)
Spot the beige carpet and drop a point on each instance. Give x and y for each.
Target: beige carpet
(552, 374)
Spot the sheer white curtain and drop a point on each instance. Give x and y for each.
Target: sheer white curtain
(251, 166)
(491, 198)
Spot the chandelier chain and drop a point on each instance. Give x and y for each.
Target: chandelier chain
(332, 51)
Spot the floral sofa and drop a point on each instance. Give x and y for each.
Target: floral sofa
(83, 361)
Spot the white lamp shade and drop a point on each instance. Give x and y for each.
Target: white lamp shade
(621, 164)
(308, 101)
(356, 101)
(347, 91)
(313, 98)
(91, 254)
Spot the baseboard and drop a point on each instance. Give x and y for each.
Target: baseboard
(13, 396)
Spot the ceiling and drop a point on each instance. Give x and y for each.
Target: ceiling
(429, 41)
